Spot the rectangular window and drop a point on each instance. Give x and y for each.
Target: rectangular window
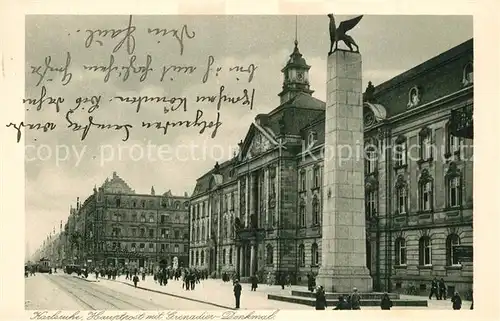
(371, 204)
(402, 198)
(143, 232)
(400, 154)
(162, 248)
(317, 177)
(132, 247)
(302, 215)
(454, 192)
(426, 147)
(302, 180)
(141, 247)
(151, 247)
(427, 253)
(176, 248)
(134, 231)
(426, 197)
(151, 233)
(164, 233)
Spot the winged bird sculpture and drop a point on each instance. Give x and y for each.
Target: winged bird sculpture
(339, 34)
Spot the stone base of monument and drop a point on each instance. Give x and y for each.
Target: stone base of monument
(367, 299)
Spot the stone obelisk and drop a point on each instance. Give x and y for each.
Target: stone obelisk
(343, 252)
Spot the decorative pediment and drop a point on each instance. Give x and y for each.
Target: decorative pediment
(257, 141)
(425, 176)
(453, 170)
(373, 114)
(401, 182)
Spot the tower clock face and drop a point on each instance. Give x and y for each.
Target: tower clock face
(300, 75)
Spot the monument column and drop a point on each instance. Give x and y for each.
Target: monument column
(343, 250)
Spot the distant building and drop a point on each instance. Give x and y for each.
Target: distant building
(117, 227)
(261, 211)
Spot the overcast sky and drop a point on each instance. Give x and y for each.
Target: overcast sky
(389, 45)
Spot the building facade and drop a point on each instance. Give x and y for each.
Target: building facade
(117, 227)
(261, 211)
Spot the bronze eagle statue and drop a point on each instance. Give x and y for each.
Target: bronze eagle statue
(339, 34)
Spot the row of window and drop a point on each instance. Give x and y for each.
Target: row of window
(316, 212)
(199, 234)
(140, 247)
(315, 182)
(164, 219)
(134, 232)
(425, 251)
(452, 192)
(198, 257)
(142, 204)
(201, 209)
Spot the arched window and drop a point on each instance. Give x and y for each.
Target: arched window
(269, 254)
(468, 74)
(197, 258)
(302, 255)
(425, 144)
(151, 218)
(315, 211)
(452, 241)
(202, 257)
(231, 227)
(400, 251)
(317, 177)
(425, 251)
(143, 218)
(400, 152)
(117, 202)
(425, 192)
(302, 180)
(314, 255)
(302, 213)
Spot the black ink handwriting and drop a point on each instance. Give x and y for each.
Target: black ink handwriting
(77, 127)
(250, 70)
(38, 102)
(128, 37)
(174, 33)
(198, 122)
(123, 71)
(245, 99)
(42, 71)
(138, 100)
(38, 126)
(93, 100)
(177, 69)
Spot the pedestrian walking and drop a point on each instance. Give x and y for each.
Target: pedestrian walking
(385, 303)
(135, 279)
(254, 282)
(434, 288)
(320, 298)
(355, 300)
(442, 289)
(456, 301)
(237, 293)
(342, 304)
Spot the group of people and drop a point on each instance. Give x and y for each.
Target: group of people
(438, 288)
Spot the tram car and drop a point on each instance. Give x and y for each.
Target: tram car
(44, 266)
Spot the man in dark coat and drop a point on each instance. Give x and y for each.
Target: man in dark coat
(342, 304)
(434, 288)
(385, 303)
(237, 292)
(320, 298)
(355, 300)
(442, 289)
(457, 301)
(254, 282)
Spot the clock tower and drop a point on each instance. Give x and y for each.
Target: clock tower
(295, 76)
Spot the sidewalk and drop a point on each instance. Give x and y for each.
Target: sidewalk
(220, 294)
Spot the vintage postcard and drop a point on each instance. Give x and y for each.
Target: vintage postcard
(232, 166)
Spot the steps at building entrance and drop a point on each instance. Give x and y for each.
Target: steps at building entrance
(331, 303)
(335, 296)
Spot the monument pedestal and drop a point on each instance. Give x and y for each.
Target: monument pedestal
(343, 264)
